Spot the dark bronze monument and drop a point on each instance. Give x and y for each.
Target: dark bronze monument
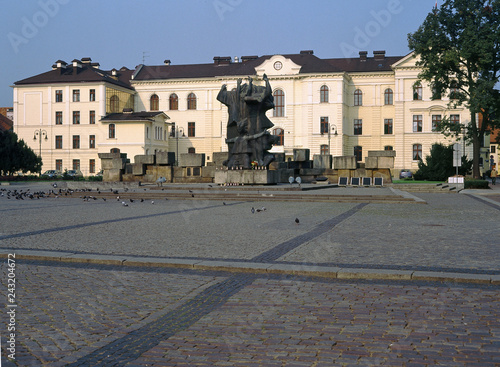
(247, 139)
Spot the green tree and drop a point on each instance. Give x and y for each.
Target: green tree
(438, 164)
(458, 46)
(16, 156)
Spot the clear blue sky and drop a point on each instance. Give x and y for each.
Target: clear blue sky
(115, 33)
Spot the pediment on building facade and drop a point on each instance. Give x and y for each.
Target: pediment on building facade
(409, 61)
(278, 65)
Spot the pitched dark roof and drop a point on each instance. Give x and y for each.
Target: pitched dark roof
(87, 73)
(5, 123)
(371, 64)
(309, 64)
(133, 116)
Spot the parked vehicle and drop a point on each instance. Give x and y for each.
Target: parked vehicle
(405, 173)
(74, 173)
(52, 173)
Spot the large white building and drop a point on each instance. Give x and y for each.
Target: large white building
(342, 106)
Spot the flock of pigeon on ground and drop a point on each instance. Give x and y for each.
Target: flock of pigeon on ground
(84, 194)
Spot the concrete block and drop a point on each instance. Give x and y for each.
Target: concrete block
(145, 159)
(344, 162)
(249, 177)
(385, 162)
(192, 160)
(208, 171)
(345, 173)
(311, 172)
(301, 155)
(115, 163)
(137, 169)
(165, 158)
(371, 162)
(219, 157)
(381, 153)
(108, 155)
(112, 175)
(322, 161)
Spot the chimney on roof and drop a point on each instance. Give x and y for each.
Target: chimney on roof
(61, 66)
(236, 59)
(379, 55)
(114, 74)
(166, 62)
(307, 52)
(86, 60)
(95, 65)
(247, 58)
(362, 55)
(77, 65)
(128, 110)
(222, 60)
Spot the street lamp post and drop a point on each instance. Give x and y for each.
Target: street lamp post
(331, 127)
(178, 130)
(40, 134)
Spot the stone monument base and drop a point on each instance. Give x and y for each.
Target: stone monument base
(246, 177)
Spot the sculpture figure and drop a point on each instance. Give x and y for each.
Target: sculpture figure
(247, 137)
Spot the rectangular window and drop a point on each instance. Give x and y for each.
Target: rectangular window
(417, 123)
(59, 95)
(323, 125)
(76, 164)
(358, 153)
(76, 117)
(191, 129)
(92, 95)
(76, 141)
(436, 120)
(112, 131)
(92, 166)
(92, 141)
(59, 142)
(493, 149)
(59, 164)
(387, 126)
(59, 117)
(323, 149)
(455, 119)
(76, 95)
(358, 127)
(92, 117)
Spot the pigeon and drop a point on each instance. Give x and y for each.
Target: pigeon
(297, 220)
(131, 200)
(142, 200)
(253, 210)
(152, 201)
(224, 203)
(124, 203)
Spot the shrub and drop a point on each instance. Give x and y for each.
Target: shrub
(476, 184)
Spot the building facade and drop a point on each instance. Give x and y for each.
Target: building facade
(344, 106)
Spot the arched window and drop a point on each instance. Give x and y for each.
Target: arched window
(173, 102)
(191, 101)
(114, 104)
(323, 148)
(281, 134)
(417, 91)
(358, 97)
(279, 103)
(154, 103)
(114, 150)
(191, 150)
(388, 147)
(417, 152)
(323, 94)
(388, 97)
(112, 131)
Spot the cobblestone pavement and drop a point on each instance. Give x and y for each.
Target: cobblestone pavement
(100, 315)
